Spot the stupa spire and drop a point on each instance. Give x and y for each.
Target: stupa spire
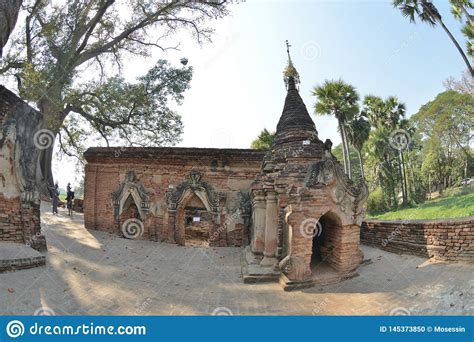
(295, 123)
(290, 74)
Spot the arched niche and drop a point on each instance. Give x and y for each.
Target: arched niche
(179, 197)
(131, 191)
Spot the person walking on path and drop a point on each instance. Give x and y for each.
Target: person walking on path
(55, 198)
(69, 198)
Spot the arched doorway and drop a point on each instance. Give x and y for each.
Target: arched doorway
(197, 222)
(322, 247)
(194, 209)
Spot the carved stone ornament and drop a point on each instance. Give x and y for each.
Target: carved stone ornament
(347, 195)
(195, 184)
(131, 187)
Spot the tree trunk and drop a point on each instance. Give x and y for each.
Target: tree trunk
(346, 147)
(429, 185)
(461, 51)
(45, 173)
(361, 163)
(413, 187)
(404, 176)
(400, 171)
(52, 122)
(344, 155)
(9, 10)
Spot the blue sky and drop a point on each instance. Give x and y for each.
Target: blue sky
(238, 90)
(237, 87)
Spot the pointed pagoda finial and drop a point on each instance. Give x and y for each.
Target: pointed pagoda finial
(290, 74)
(288, 49)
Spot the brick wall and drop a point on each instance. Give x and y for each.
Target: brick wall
(11, 227)
(227, 170)
(450, 239)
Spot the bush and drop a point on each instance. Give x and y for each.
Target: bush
(376, 202)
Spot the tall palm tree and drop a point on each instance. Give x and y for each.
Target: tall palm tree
(339, 99)
(373, 109)
(394, 115)
(427, 12)
(388, 114)
(358, 131)
(394, 111)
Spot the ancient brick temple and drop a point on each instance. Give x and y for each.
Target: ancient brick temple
(178, 195)
(292, 207)
(306, 213)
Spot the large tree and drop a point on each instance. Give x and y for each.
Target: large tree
(68, 59)
(427, 12)
(8, 15)
(341, 100)
(446, 127)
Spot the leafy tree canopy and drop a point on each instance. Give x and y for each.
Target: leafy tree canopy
(67, 58)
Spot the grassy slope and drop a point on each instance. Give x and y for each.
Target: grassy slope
(454, 203)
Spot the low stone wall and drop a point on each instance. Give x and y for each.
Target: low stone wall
(449, 239)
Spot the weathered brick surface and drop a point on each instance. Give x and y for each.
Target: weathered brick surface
(11, 225)
(450, 239)
(227, 170)
(19, 197)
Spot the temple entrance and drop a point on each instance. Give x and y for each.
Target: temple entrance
(321, 248)
(318, 242)
(194, 213)
(197, 222)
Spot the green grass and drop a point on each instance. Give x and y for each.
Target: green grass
(455, 202)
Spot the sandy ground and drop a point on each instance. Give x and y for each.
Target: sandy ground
(95, 273)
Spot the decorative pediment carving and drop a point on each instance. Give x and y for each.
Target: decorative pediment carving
(328, 172)
(195, 184)
(131, 187)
